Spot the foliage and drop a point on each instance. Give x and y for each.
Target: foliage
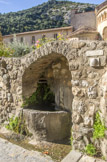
(5, 51)
(44, 16)
(99, 127)
(17, 124)
(90, 149)
(61, 36)
(42, 41)
(19, 48)
(103, 158)
(43, 95)
(99, 132)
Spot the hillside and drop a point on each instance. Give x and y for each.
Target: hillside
(52, 14)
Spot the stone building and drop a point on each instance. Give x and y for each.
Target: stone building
(85, 26)
(101, 17)
(32, 36)
(90, 25)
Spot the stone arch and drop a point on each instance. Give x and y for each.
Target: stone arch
(105, 33)
(47, 55)
(52, 62)
(53, 66)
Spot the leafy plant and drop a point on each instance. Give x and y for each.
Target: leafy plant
(43, 95)
(17, 124)
(19, 48)
(42, 41)
(61, 36)
(90, 149)
(99, 127)
(13, 122)
(103, 158)
(5, 51)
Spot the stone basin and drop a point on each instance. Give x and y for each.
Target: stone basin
(50, 126)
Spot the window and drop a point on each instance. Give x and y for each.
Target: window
(21, 39)
(43, 36)
(55, 36)
(33, 39)
(11, 40)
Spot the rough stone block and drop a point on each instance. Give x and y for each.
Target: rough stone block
(73, 156)
(73, 66)
(89, 159)
(94, 62)
(103, 60)
(92, 93)
(48, 125)
(95, 53)
(103, 145)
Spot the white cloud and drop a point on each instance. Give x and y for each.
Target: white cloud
(4, 2)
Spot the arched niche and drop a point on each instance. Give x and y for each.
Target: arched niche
(46, 122)
(54, 70)
(105, 33)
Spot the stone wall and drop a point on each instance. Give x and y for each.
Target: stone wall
(87, 64)
(82, 19)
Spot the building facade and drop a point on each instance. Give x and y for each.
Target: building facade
(85, 26)
(32, 36)
(101, 18)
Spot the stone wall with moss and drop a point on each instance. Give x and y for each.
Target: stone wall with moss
(86, 65)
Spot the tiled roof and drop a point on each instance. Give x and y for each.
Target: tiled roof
(101, 5)
(83, 30)
(39, 31)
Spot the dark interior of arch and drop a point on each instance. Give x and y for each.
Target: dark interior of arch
(49, 79)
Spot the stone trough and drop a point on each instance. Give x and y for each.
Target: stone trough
(48, 125)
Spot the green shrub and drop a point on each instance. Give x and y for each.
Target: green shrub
(13, 122)
(17, 124)
(90, 149)
(42, 41)
(19, 48)
(43, 95)
(5, 51)
(99, 127)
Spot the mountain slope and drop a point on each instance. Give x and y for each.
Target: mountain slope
(52, 14)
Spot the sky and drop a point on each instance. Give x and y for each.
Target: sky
(17, 5)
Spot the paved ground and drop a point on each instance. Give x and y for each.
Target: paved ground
(13, 153)
(75, 156)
